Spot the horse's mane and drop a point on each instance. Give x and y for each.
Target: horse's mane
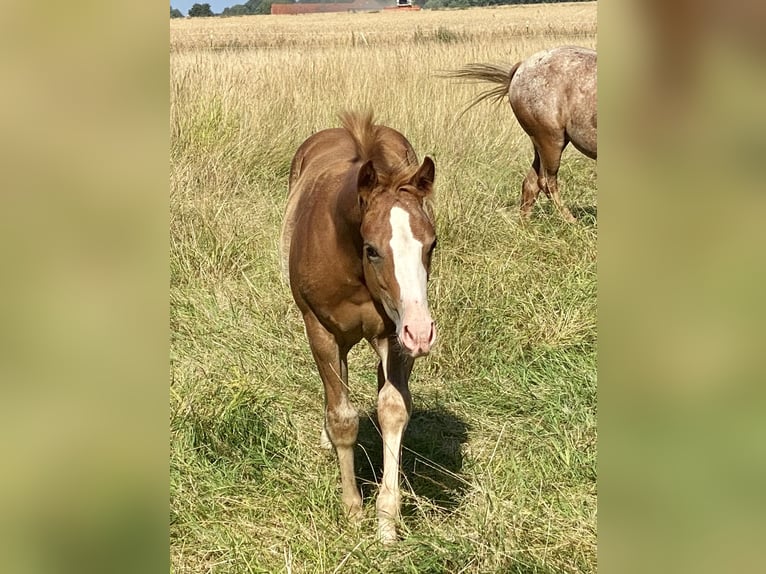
(393, 164)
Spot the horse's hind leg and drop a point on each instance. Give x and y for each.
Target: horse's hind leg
(530, 188)
(551, 149)
(394, 407)
(341, 419)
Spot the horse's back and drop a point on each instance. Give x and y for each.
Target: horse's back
(564, 64)
(320, 155)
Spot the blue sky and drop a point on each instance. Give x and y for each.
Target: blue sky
(216, 6)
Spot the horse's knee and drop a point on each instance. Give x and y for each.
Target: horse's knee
(393, 407)
(342, 425)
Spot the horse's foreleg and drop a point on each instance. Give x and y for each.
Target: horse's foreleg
(394, 407)
(393, 415)
(342, 426)
(341, 419)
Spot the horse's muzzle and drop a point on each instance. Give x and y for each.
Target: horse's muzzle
(418, 337)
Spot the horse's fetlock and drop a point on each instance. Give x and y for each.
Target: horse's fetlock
(388, 503)
(388, 515)
(353, 507)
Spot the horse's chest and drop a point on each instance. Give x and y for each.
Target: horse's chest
(353, 319)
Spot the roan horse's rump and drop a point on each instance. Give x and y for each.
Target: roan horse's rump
(356, 246)
(553, 96)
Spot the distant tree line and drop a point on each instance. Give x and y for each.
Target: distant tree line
(264, 6)
(200, 11)
(249, 7)
(196, 11)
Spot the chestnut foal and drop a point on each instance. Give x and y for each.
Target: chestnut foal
(356, 246)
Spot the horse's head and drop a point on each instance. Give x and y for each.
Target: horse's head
(399, 239)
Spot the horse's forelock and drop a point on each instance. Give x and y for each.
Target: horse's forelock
(373, 143)
(365, 133)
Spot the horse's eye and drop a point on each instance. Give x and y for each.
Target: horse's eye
(371, 252)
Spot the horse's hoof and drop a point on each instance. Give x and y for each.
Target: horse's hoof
(355, 513)
(525, 217)
(386, 534)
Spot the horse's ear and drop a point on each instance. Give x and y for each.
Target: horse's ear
(366, 180)
(423, 180)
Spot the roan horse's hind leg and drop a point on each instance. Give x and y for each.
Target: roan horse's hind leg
(394, 408)
(341, 418)
(548, 150)
(530, 188)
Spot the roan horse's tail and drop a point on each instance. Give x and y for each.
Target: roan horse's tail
(491, 73)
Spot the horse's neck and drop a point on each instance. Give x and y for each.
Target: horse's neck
(348, 217)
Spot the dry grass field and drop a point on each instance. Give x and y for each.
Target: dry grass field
(526, 25)
(499, 469)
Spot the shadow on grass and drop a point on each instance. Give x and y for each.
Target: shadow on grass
(586, 214)
(432, 458)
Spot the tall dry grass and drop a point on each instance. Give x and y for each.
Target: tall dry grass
(499, 463)
(565, 22)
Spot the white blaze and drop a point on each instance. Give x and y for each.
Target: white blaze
(409, 270)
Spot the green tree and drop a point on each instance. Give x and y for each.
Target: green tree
(175, 13)
(236, 10)
(250, 7)
(261, 6)
(200, 11)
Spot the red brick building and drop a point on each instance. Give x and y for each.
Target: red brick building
(354, 6)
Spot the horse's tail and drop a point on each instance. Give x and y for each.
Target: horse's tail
(491, 73)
